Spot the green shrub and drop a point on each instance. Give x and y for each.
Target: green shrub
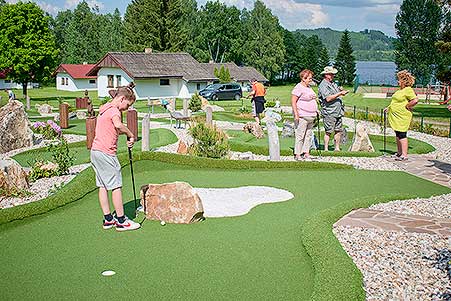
(209, 141)
(270, 104)
(50, 130)
(195, 104)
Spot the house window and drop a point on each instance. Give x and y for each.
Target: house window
(62, 81)
(67, 81)
(164, 82)
(7, 81)
(92, 81)
(110, 81)
(198, 86)
(118, 80)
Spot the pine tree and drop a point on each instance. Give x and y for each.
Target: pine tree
(417, 26)
(345, 61)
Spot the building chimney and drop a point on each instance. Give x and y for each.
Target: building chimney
(148, 50)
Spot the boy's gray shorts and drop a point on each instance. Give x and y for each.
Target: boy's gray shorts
(108, 170)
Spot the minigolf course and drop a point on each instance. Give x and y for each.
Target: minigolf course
(61, 254)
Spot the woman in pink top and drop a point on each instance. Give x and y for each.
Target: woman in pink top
(104, 160)
(303, 102)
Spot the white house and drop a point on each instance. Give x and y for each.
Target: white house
(72, 77)
(156, 75)
(6, 83)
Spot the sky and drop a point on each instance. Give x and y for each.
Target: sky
(293, 14)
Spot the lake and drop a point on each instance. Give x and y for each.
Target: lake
(376, 73)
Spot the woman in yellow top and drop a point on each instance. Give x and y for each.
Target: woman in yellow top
(400, 111)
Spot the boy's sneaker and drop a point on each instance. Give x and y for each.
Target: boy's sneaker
(127, 225)
(109, 224)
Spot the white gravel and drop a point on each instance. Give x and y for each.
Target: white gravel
(393, 263)
(222, 202)
(437, 206)
(42, 188)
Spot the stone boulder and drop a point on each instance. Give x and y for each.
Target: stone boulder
(255, 129)
(288, 129)
(176, 203)
(361, 142)
(44, 109)
(15, 131)
(12, 176)
(182, 149)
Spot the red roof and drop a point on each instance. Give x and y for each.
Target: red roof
(75, 70)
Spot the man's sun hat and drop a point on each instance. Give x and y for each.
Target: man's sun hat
(329, 70)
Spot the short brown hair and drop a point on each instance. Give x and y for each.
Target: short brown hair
(126, 91)
(406, 78)
(305, 72)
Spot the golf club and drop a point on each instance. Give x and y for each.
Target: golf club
(133, 176)
(319, 136)
(385, 133)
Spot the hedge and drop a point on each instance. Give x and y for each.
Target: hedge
(336, 276)
(71, 192)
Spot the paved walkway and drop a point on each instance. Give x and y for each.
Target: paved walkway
(390, 221)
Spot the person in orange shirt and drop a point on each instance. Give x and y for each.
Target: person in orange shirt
(258, 99)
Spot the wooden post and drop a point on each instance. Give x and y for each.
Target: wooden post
(64, 115)
(90, 131)
(145, 131)
(185, 106)
(28, 103)
(132, 122)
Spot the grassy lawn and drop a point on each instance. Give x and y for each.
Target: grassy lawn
(158, 137)
(241, 141)
(61, 254)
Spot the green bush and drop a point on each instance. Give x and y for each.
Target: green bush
(49, 130)
(195, 104)
(270, 104)
(209, 141)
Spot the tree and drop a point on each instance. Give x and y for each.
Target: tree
(444, 43)
(217, 33)
(223, 74)
(28, 45)
(417, 26)
(263, 47)
(60, 24)
(345, 61)
(291, 66)
(158, 24)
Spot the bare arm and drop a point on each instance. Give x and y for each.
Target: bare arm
(294, 100)
(335, 96)
(122, 129)
(411, 104)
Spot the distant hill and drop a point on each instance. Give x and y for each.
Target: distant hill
(368, 45)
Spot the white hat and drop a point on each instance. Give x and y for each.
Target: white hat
(329, 70)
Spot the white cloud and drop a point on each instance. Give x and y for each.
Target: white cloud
(52, 9)
(92, 3)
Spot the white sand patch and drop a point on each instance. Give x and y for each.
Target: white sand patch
(222, 202)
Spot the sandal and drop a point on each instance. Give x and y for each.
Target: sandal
(401, 158)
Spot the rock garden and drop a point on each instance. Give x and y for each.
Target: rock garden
(244, 220)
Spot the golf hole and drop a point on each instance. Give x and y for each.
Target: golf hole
(108, 273)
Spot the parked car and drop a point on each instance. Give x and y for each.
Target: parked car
(222, 91)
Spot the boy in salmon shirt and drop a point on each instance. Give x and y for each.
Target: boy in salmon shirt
(104, 160)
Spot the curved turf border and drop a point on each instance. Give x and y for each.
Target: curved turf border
(72, 191)
(336, 275)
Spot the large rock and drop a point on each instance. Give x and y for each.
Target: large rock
(182, 149)
(176, 203)
(12, 176)
(255, 129)
(44, 109)
(361, 142)
(15, 131)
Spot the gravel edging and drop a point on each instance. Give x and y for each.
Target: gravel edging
(393, 264)
(44, 187)
(437, 206)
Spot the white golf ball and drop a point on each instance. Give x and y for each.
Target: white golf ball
(108, 273)
(162, 223)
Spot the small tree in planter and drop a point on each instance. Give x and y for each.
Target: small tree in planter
(209, 141)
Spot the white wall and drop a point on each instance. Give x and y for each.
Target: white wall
(73, 84)
(192, 86)
(13, 85)
(102, 80)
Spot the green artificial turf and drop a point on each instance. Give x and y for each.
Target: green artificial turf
(60, 254)
(241, 141)
(158, 137)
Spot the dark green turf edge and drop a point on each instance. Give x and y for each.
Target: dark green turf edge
(72, 192)
(336, 276)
